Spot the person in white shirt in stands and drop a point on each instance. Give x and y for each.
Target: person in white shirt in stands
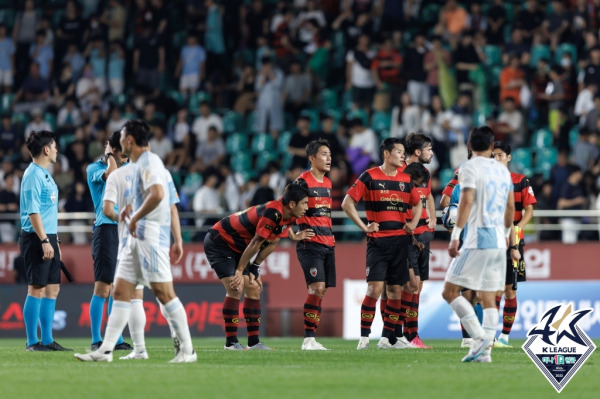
(485, 211)
(204, 120)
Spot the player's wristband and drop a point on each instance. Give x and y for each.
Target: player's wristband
(507, 232)
(515, 247)
(46, 241)
(456, 233)
(254, 268)
(107, 155)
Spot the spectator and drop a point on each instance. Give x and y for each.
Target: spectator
(585, 103)
(512, 79)
(255, 22)
(269, 109)
(160, 143)
(296, 90)
(263, 192)
(406, 118)
(586, 150)
(358, 74)
(9, 204)
(436, 124)
(116, 120)
(69, 117)
(63, 87)
(207, 201)
(232, 185)
(517, 46)
(283, 42)
(9, 138)
(591, 119)
(511, 124)
(555, 96)
(298, 142)
(191, 66)
(75, 59)
(204, 120)
(64, 179)
(571, 197)
(114, 18)
(328, 132)
(386, 70)
(89, 89)
(557, 25)
(246, 96)
(415, 72)
(435, 58)
(363, 148)
(43, 54)
(496, 18)
(70, 30)
(210, 153)
(476, 21)
(568, 78)
(7, 60)
(467, 58)
(184, 142)
(529, 20)
(34, 92)
(453, 21)
(26, 23)
(79, 200)
(116, 69)
(148, 61)
(96, 54)
(37, 122)
(214, 42)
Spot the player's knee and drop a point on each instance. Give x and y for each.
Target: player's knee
(317, 289)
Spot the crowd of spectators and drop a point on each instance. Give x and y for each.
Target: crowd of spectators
(235, 89)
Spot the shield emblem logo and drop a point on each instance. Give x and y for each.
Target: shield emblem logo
(401, 186)
(313, 271)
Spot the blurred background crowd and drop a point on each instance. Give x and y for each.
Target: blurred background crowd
(235, 89)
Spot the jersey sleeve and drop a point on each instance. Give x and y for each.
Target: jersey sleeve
(301, 182)
(415, 196)
(32, 193)
(110, 190)
(173, 195)
(95, 172)
(268, 223)
(359, 188)
(467, 177)
(149, 176)
(449, 189)
(527, 195)
(455, 197)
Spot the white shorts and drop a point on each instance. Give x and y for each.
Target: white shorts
(6, 77)
(143, 263)
(189, 82)
(479, 269)
(418, 92)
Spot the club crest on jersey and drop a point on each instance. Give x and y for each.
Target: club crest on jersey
(313, 271)
(328, 192)
(368, 270)
(53, 197)
(557, 346)
(401, 186)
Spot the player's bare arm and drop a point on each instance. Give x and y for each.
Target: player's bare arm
(432, 222)
(260, 258)
(467, 197)
(509, 212)
(155, 195)
(349, 206)
(38, 226)
(177, 248)
(237, 281)
(305, 234)
(108, 208)
(527, 216)
(412, 225)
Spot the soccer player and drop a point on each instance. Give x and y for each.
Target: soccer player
(145, 258)
(105, 241)
(447, 192)
(39, 243)
(316, 254)
(524, 202)
(231, 246)
(388, 195)
(419, 149)
(485, 211)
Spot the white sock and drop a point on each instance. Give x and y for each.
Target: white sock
(163, 311)
(490, 322)
(468, 318)
(137, 324)
(178, 318)
(116, 323)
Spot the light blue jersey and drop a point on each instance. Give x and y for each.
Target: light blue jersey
(39, 194)
(97, 185)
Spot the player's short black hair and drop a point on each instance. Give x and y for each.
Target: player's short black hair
(293, 192)
(504, 146)
(416, 141)
(115, 141)
(312, 148)
(37, 140)
(416, 171)
(481, 138)
(389, 144)
(139, 130)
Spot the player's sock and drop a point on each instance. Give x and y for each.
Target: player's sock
(231, 314)
(110, 303)
(411, 324)
(406, 300)
(382, 304)
(311, 313)
(116, 323)
(252, 316)
(179, 321)
(508, 315)
(137, 323)
(367, 313)
(466, 314)
(464, 332)
(498, 299)
(31, 316)
(490, 323)
(47, 319)
(96, 313)
(163, 311)
(318, 314)
(479, 312)
(392, 314)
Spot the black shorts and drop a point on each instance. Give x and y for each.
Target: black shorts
(387, 259)
(363, 97)
(37, 271)
(105, 246)
(419, 260)
(317, 262)
(222, 259)
(509, 267)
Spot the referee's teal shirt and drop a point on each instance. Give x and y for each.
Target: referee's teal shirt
(39, 194)
(97, 184)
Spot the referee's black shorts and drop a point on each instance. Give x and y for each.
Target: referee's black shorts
(38, 271)
(387, 259)
(105, 246)
(317, 262)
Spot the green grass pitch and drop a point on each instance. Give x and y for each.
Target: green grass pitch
(287, 372)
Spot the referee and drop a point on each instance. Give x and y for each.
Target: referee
(39, 243)
(105, 240)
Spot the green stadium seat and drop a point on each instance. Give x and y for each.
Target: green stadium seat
(241, 161)
(493, 55)
(7, 17)
(381, 121)
(315, 118)
(359, 113)
(542, 138)
(539, 51)
(430, 14)
(565, 48)
(384, 134)
(546, 157)
(196, 99)
(236, 143)
(521, 159)
(263, 159)
(119, 100)
(445, 176)
(328, 99)
(177, 97)
(251, 121)
(573, 135)
(284, 141)
(51, 119)
(64, 140)
(6, 102)
(232, 122)
(262, 142)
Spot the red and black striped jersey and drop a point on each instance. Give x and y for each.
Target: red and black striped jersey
(451, 184)
(265, 220)
(524, 195)
(388, 199)
(318, 216)
(424, 190)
